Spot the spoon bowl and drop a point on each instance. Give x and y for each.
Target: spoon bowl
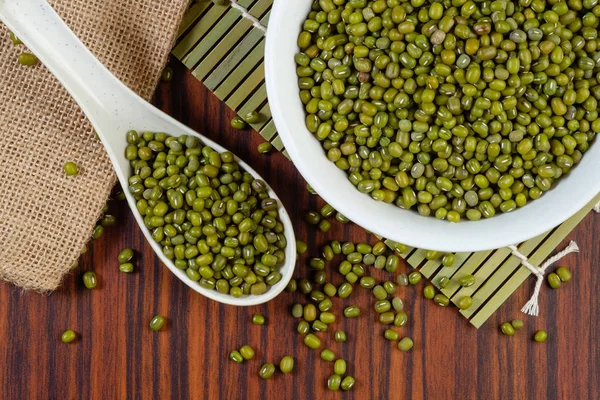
(113, 109)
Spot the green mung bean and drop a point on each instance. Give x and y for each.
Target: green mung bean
(301, 247)
(327, 355)
(507, 329)
(108, 220)
(339, 367)
(351, 312)
(292, 286)
(540, 336)
(553, 280)
(329, 289)
(344, 290)
(405, 344)
(400, 319)
(327, 211)
(71, 168)
(305, 286)
(386, 317)
(389, 287)
(564, 274)
(448, 260)
(464, 302)
(90, 280)
(467, 280)
(297, 310)
(286, 365)
(391, 334)
(336, 247)
(341, 218)
(157, 322)
(303, 327)
(312, 341)
(258, 319)
(27, 59)
(517, 324)
(252, 117)
(324, 225)
(368, 282)
(402, 279)
(347, 383)
(265, 148)
(397, 304)
(334, 382)
(247, 352)
(126, 267)
(125, 255)
(325, 305)
(68, 336)
(327, 253)
(414, 277)
(443, 282)
(441, 300)
(312, 217)
(327, 317)
(266, 371)
(310, 312)
(235, 356)
(319, 326)
(429, 292)
(238, 123)
(379, 292)
(340, 336)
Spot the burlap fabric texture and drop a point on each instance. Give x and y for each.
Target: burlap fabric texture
(46, 217)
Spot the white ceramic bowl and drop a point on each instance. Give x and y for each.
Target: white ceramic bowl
(557, 205)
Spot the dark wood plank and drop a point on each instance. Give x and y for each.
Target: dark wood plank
(117, 356)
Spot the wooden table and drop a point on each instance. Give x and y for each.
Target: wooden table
(118, 356)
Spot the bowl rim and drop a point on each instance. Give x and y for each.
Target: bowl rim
(568, 199)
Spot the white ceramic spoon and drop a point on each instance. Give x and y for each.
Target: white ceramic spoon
(113, 109)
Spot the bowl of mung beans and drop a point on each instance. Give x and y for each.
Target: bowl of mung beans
(451, 125)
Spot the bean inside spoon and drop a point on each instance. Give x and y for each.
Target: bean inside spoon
(113, 109)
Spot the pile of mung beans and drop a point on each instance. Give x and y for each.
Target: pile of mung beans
(214, 220)
(460, 109)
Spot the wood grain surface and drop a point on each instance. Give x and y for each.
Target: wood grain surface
(118, 356)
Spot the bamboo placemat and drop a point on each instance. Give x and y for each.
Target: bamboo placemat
(225, 52)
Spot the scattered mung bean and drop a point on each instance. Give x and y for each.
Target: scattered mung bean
(68, 336)
(90, 280)
(507, 329)
(266, 371)
(247, 352)
(564, 274)
(157, 322)
(286, 365)
(405, 344)
(540, 336)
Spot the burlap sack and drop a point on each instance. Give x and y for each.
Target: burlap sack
(45, 216)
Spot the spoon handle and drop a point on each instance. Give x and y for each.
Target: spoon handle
(111, 107)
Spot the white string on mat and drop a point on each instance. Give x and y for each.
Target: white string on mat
(597, 208)
(532, 307)
(255, 22)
